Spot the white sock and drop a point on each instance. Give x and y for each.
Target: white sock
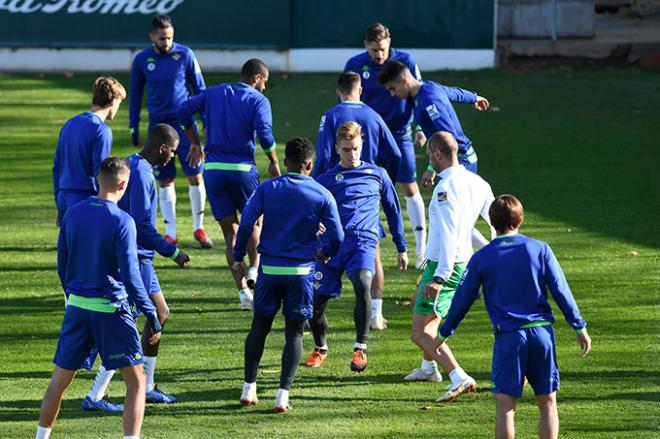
(149, 369)
(478, 240)
(131, 437)
(324, 347)
(376, 308)
(246, 291)
(457, 375)
(167, 196)
(250, 387)
(362, 346)
(43, 432)
(101, 383)
(282, 398)
(417, 215)
(197, 203)
(429, 365)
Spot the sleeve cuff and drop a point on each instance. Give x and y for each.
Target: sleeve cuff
(270, 148)
(430, 168)
(580, 330)
(175, 254)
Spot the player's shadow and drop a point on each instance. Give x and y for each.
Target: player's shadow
(28, 410)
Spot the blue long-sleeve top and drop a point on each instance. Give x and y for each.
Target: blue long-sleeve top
(396, 112)
(141, 203)
(85, 140)
(516, 272)
(358, 192)
(379, 146)
(96, 243)
(235, 112)
(293, 205)
(170, 80)
(434, 111)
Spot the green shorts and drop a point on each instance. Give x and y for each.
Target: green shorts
(439, 306)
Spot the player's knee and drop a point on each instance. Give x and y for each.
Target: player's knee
(163, 314)
(294, 328)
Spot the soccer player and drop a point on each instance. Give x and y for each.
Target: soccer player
(358, 187)
(434, 112)
(288, 248)
(141, 202)
(457, 201)
(234, 112)
(379, 147)
(171, 74)
(398, 115)
(516, 273)
(97, 241)
(85, 140)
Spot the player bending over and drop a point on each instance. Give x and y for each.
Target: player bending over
(378, 147)
(234, 112)
(516, 273)
(457, 201)
(292, 206)
(359, 188)
(97, 242)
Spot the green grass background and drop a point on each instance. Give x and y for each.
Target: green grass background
(580, 148)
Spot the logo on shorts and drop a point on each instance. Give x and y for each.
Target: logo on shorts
(339, 177)
(151, 67)
(442, 196)
(318, 275)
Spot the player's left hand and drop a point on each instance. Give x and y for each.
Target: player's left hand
(585, 342)
(420, 139)
(431, 290)
(239, 268)
(482, 104)
(428, 178)
(402, 261)
(182, 258)
(195, 155)
(274, 169)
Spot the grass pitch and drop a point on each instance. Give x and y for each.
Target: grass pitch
(578, 147)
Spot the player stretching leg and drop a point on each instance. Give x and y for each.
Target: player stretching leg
(457, 201)
(358, 188)
(97, 313)
(234, 112)
(171, 73)
(379, 147)
(288, 248)
(516, 272)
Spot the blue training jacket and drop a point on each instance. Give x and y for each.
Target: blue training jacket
(235, 112)
(97, 242)
(85, 140)
(293, 205)
(516, 272)
(359, 193)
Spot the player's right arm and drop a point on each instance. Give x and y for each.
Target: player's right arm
(334, 232)
(253, 209)
(263, 124)
(127, 261)
(324, 145)
(101, 148)
(461, 96)
(445, 222)
(389, 154)
(465, 295)
(185, 111)
(62, 255)
(135, 99)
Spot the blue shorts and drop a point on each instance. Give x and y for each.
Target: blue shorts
(408, 167)
(355, 253)
(293, 292)
(148, 275)
(524, 353)
(228, 191)
(469, 160)
(114, 334)
(66, 199)
(169, 170)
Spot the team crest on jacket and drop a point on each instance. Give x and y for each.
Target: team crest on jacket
(442, 196)
(176, 56)
(339, 177)
(318, 275)
(151, 67)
